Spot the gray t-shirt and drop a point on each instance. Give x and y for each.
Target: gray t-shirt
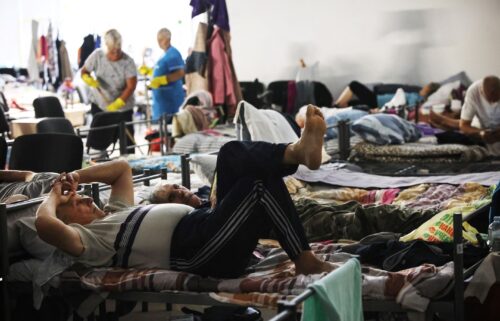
(488, 114)
(112, 77)
(136, 237)
(39, 184)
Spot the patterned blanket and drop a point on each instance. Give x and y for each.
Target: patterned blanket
(204, 142)
(417, 152)
(272, 278)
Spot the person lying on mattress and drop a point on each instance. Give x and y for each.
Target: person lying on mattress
(251, 200)
(20, 185)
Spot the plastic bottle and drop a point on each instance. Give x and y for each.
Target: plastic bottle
(494, 234)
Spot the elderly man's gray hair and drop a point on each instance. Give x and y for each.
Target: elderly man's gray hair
(164, 33)
(113, 39)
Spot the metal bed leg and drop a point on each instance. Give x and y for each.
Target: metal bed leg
(95, 194)
(344, 137)
(122, 138)
(102, 310)
(186, 179)
(168, 307)
(163, 173)
(147, 172)
(458, 258)
(145, 307)
(87, 190)
(4, 265)
(76, 317)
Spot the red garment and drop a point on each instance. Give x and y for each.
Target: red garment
(41, 50)
(220, 77)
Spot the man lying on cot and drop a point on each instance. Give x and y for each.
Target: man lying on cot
(251, 200)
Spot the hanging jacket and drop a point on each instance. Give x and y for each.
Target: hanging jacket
(86, 49)
(220, 77)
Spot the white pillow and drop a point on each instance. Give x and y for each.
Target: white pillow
(442, 95)
(204, 166)
(265, 125)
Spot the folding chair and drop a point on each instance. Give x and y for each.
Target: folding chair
(48, 107)
(51, 152)
(104, 132)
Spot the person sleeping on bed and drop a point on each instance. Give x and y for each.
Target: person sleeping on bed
(215, 241)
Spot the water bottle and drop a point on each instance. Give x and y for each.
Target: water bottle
(494, 234)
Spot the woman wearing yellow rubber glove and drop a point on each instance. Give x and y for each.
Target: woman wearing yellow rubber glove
(115, 80)
(166, 83)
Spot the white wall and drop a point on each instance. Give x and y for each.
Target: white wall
(384, 40)
(138, 23)
(412, 41)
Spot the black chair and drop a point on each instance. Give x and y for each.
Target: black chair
(55, 125)
(3, 102)
(48, 107)
(4, 124)
(3, 152)
(47, 153)
(101, 138)
(8, 71)
(252, 91)
(278, 93)
(322, 95)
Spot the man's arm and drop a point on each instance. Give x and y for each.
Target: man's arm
(116, 173)
(490, 136)
(467, 129)
(51, 229)
(16, 176)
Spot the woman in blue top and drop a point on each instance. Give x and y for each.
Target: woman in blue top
(168, 72)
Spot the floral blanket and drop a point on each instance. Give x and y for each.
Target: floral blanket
(272, 278)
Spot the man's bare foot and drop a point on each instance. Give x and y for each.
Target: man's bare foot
(316, 269)
(307, 263)
(307, 150)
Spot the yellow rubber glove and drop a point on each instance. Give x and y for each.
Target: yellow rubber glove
(117, 104)
(158, 81)
(145, 70)
(89, 80)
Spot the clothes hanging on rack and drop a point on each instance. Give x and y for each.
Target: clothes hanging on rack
(217, 12)
(97, 42)
(65, 70)
(86, 49)
(33, 68)
(196, 68)
(52, 64)
(220, 77)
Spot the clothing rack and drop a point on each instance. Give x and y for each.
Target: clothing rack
(287, 310)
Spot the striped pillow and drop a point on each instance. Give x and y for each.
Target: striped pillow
(386, 129)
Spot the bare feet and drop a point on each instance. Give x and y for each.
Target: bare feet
(307, 151)
(308, 263)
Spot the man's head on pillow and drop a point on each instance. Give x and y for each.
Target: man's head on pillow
(173, 193)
